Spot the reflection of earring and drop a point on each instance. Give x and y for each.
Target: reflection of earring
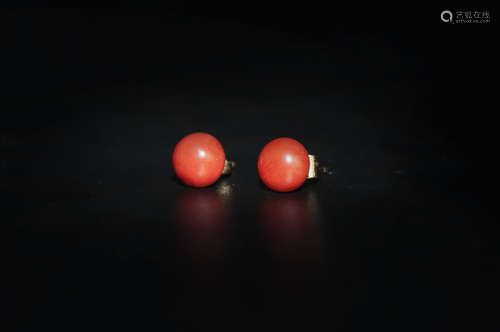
(284, 165)
(199, 160)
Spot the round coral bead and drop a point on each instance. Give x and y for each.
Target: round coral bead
(283, 164)
(198, 159)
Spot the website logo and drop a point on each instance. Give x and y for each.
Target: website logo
(466, 17)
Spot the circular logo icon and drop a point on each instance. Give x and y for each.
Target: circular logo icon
(446, 16)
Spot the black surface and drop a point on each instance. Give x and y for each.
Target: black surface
(99, 235)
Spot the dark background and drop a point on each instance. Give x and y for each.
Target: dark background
(99, 235)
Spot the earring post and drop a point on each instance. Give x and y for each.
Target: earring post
(228, 167)
(315, 169)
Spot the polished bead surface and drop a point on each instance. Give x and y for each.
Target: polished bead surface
(283, 164)
(198, 159)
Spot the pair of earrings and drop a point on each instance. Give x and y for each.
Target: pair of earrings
(284, 164)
